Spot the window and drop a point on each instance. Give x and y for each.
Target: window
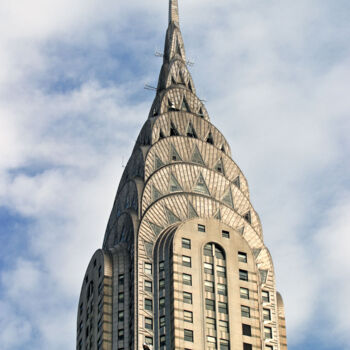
(265, 296)
(148, 286)
(161, 266)
(120, 334)
(210, 304)
(209, 286)
(188, 316)
(223, 325)
(225, 234)
(186, 243)
(187, 298)
(121, 280)
(188, 335)
(210, 323)
(161, 284)
(222, 308)
(162, 340)
(99, 271)
(187, 279)
(121, 316)
(224, 344)
(219, 253)
(268, 332)
(149, 323)
(161, 302)
(269, 347)
(246, 330)
(121, 297)
(211, 341)
(100, 288)
(186, 261)
(149, 340)
(244, 293)
(267, 314)
(247, 346)
(100, 305)
(201, 228)
(208, 250)
(245, 311)
(162, 321)
(243, 275)
(222, 290)
(208, 268)
(148, 268)
(242, 257)
(148, 304)
(221, 271)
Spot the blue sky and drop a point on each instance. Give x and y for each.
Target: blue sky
(275, 76)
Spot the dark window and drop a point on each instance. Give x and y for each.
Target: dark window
(221, 271)
(265, 296)
(120, 334)
(187, 298)
(99, 271)
(121, 316)
(219, 253)
(221, 288)
(100, 288)
(210, 304)
(201, 228)
(148, 268)
(148, 304)
(162, 321)
(121, 279)
(244, 293)
(267, 314)
(243, 275)
(186, 243)
(224, 344)
(222, 308)
(188, 335)
(269, 347)
(246, 329)
(247, 346)
(121, 297)
(186, 261)
(187, 279)
(208, 250)
(268, 332)
(148, 286)
(225, 234)
(149, 323)
(208, 268)
(149, 340)
(161, 284)
(245, 311)
(209, 286)
(162, 340)
(161, 302)
(242, 257)
(161, 266)
(188, 316)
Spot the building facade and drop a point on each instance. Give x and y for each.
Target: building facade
(183, 263)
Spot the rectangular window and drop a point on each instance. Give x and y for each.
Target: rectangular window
(221, 271)
(268, 332)
(219, 253)
(188, 335)
(223, 325)
(120, 334)
(148, 286)
(201, 228)
(267, 314)
(210, 323)
(222, 290)
(187, 279)
(186, 243)
(210, 304)
(187, 298)
(121, 316)
(244, 293)
(161, 302)
(225, 234)
(149, 323)
(265, 296)
(149, 340)
(148, 304)
(246, 330)
(208, 250)
(161, 266)
(148, 268)
(161, 284)
(209, 286)
(162, 340)
(208, 268)
(224, 344)
(188, 316)
(243, 275)
(211, 341)
(222, 307)
(242, 257)
(186, 261)
(121, 279)
(247, 346)
(245, 311)
(121, 297)
(100, 288)
(162, 321)
(100, 271)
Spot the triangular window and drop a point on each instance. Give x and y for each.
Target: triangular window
(227, 198)
(210, 138)
(161, 135)
(201, 186)
(196, 156)
(172, 218)
(263, 275)
(247, 216)
(158, 162)
(256, 252)
(190, 86)
(155, 112)
(223, 149)
(178, 50)
(218, 215)
(191, 211)
(156, 194)
(219, 167)
(173, 130)
(175, 157)
(182, 79)
(237, 182)
(173, 81)
(190, 131)
(171, 105)
(200, 113)
(241, 230)
(185, 107)
(155, 228)
(174, 184)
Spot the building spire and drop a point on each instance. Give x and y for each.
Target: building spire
(173, 12)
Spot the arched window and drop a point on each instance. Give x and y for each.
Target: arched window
(90, 290)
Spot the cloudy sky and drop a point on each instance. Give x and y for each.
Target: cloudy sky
(275, 75)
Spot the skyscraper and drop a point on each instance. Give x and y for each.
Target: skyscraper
(183, 263)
